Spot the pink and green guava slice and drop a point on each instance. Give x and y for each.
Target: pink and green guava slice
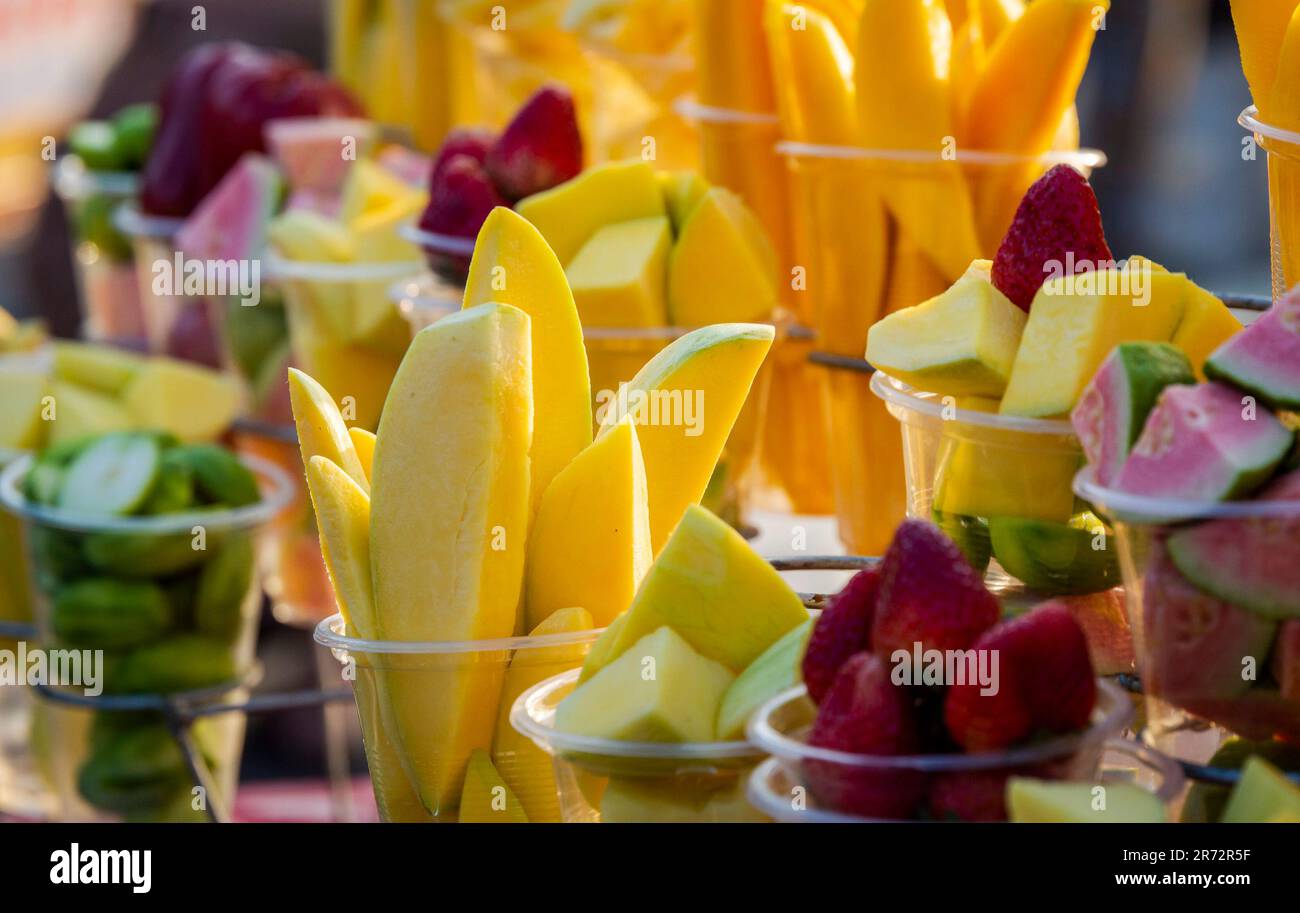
(1264, 358)
(230, 222)
(316, 152)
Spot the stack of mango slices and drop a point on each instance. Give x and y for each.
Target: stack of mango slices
(485, 507)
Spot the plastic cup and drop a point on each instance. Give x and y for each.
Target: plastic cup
(200, 567)
(1204, 659)
(609, 781)
(777, 790)
(101, 254)
(388, 678)
(344, 330)
(1283, 150)
(781, 726)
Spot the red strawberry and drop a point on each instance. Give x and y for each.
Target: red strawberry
(865, 713)
(844, 628)
(540, 148)
(969, 795)
(929, 594)
(984, 722)
(472, 141)
(1057, 217)
(458, 205)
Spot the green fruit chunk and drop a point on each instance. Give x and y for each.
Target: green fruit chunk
(254, 334)
(94, 222)
(139, 555)
(95, 143)
(112, 476)
(775, 669)
(971, 535)
(109, 613)
(1055, 558)
(174, 490)
(219, 476)
(223, 586)
(57, 555)
(135, 126)
(133, 767)
(1205, 801)
(182, 663)
(42, 483)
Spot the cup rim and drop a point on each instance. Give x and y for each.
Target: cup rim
(73, 180)
(1250, 119)
(1079, 158)
(330, 633)
(1134, 508)
(1112, 713)
(271, 503)
(526, 710)
(439, 243)
(136, 224)
(693, 110)
(895, 392)
(278, 267)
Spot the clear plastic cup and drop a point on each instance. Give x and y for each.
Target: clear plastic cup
(1283, 149)
(183, 597)
(781, 726)
(609, 781)
(419, 748)
(1210, 664)
(777, 790)
(101, 254)
(344, 329)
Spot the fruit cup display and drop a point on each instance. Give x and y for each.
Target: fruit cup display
(143, 548)
(1201, 484)
(97, 175)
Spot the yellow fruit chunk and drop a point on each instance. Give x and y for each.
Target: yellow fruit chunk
(320, 427)
(590, 542)
(527, 769)
(962, 342)
(723, 267)
(681, 190)
(394, 795)
(658, 690)
(569, 214)
(634, 800)
(602, 651)
(1207, 323)
(363, 442)
(301, 234)
(619, 277)
(1262, 793)
(370, 188)
(193, 403)
(996, 15)
(102, 368)
(815, 92)
(1075, 321)
(343, 522)
(79, 412)
(732, 69)
(1031, 801)
(485, 797)
(684, 402)
(21, 423)
(713, 590)
(513, 265)
(375, 237)
(448, 532)
(1261, 33)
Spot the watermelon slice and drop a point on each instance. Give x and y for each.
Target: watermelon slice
(230, 223)
(1264, 358)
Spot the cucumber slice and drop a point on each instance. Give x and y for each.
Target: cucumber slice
(174, 490)
(113, 476)
(219, 476)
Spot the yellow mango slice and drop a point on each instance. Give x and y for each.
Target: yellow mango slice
(569, 214)
(79, 412)
(363, 442)
(1263, 792)
(375, 238)
(723, 268)
(684, 402)
(21, 424)
(193, 403)
(527, 769)
(659, 690)
(513, 265)
(371, 188)
(301, 234)
(320, 426)
(713, 590)
(448, 533)
(1261, 30)
(637, 800)
(732, 68)
(485, 798)
(996, 15)
(682, 190)
(343, 522)
(104, 368)
(602, 651)
(619, 277)
(1207, 324)
(1284, 111)
(394, 795)
(815, 94)
(590, 542)
(1031, 801)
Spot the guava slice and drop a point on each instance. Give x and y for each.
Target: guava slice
(1193, 647)
(230, 223)
(1264, 358)
(1056, 558)
(316, 152)
(1115, 404)
(1203, 443)
(1252, 562)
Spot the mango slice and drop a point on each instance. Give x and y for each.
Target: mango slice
(370, 188)
(571, 213)
(343, 521)
(815, 92)
(320, 426)
(682, 190)
(1262, 793)
(713, 590)
(590, 542)
(659, 690)
(79, 412)
(448, 528)
(1207, 324)
(527, 769)
(193, 403)
(1261, 31)
(619, 277)
(723, 267)
(21, 424)
(363, 442)
(1031, 801)
(637, 800)
(513, 265)
(105, 369)
(732, 68)
(485, 798)
(394, 795)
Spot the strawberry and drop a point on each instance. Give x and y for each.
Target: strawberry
(1057, 217)
(984, 722)
(472, 141)
(969, 795)
(844, 628)
(458, 205)
(929, 594)
(540, 148)
(865, 713)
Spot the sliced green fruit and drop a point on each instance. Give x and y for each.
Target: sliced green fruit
(108, 613)
(95, 143)
(113, 476)
(775, 669)
(182, 663)
(135, 126)
(223, 587)
(219, 475)
(173, 491)
(1056, 558)
(970, 534)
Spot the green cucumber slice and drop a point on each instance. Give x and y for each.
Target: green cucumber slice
(219, 476)
(113, 476)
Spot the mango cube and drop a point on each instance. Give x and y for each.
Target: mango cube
(21, 422)
(105, 369)
(619, 276)
(370, 188)
(723, 267)
(1031, 801)
(682, 190)
(194, 403)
